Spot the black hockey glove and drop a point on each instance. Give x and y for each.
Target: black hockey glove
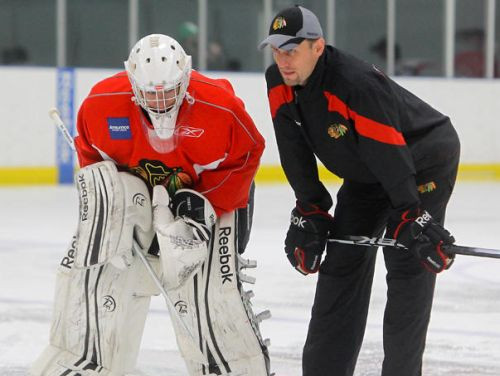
(424, 237)
(195, 210)
(306, 237)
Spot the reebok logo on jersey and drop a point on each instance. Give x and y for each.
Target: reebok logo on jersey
(119, 128)
(186, 131)
(337, 130)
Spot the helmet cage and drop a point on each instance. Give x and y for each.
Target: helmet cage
(162, 98)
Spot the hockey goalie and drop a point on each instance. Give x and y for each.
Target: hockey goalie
(168, 157)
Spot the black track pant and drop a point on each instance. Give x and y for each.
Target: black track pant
(344, 285)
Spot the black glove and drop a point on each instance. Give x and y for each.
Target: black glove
(424, 237)
(196, 211)
(306, 238)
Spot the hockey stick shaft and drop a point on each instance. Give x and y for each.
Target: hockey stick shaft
(473, 251)
(56, 118)
(386, 242)
(158, 284)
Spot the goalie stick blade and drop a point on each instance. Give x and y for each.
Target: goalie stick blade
(386, 242)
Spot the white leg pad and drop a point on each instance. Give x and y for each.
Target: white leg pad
(98, 319)
(219, 313)
(115, 210)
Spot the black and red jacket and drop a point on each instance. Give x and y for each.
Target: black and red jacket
(362, 126)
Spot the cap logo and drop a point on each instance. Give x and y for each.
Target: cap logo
(279, 23)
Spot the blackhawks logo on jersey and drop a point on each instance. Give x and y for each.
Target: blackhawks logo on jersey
(337, 130)
(427, 187)
(156, 172)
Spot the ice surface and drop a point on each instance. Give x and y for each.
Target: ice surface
(36, 224)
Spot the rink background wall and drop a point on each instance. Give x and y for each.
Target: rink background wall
(29, 139)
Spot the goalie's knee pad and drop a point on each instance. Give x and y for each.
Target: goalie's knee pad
(218, 311)
(115, 210)
(98, 319)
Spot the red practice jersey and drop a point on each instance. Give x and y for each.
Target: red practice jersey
(218, 149)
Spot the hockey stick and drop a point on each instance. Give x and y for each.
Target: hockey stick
(56, 118)
(158, 284)
(386, 242)
(54, 115)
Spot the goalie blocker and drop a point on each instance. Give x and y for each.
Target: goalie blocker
(103, 290)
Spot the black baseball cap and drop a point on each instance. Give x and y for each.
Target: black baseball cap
(291, 26)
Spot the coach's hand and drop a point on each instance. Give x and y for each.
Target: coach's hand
(424, 237)
(306, 238)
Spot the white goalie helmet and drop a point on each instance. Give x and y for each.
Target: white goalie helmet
(159, 71)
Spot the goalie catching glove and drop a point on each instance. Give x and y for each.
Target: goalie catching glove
(425, 237)
(195, 210)
(183, 226)
(306, 237)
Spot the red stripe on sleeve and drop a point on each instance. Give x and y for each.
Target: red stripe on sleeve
(278, 96)
(364, 126)
(378, 131)
(336, 105)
